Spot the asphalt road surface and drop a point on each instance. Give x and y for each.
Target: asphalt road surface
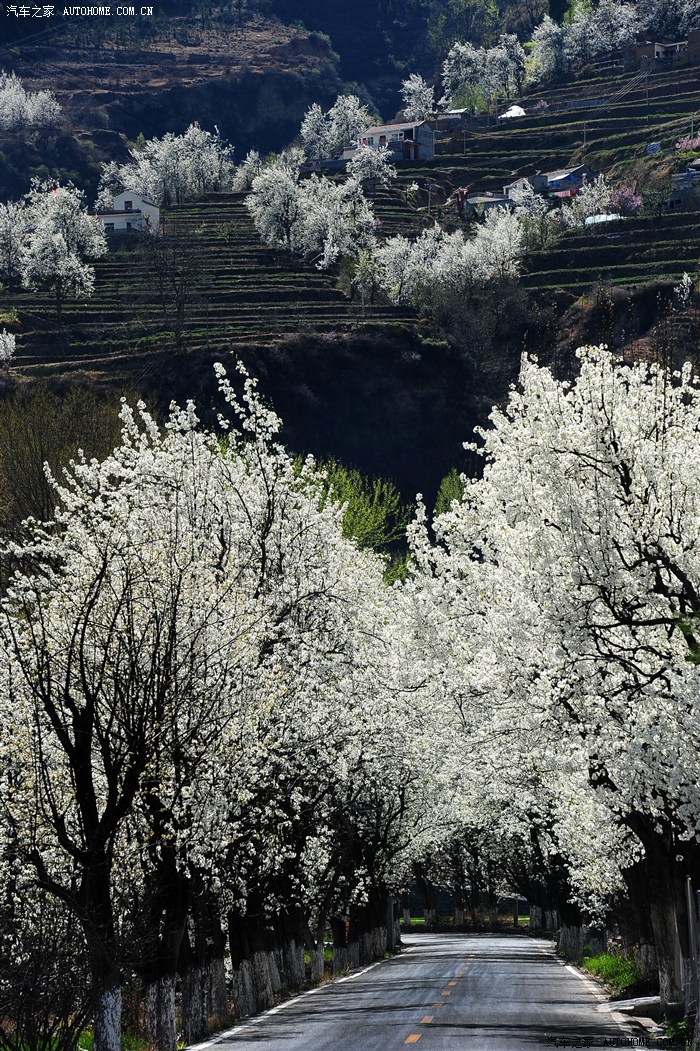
(447, 993)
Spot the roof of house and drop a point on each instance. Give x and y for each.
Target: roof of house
(118, 211)
(514, 111)
(141, 197)
(483, 198)
(377, 129)
(563, 174)
(607, 217)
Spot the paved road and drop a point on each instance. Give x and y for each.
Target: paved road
(448, 993)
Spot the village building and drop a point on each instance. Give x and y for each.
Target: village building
(651, 54)
(517, 186)
(130, 211)
(685, 190)
(563, 183)
(409, 140)
(484, 202)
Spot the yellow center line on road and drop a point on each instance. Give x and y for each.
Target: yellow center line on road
(439, 1003)
(446, 992)
(426, 1019)
(453, 983)
(413, 1038)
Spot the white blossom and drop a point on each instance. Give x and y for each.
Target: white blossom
(418, 97)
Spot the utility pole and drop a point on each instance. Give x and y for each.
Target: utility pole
(431, 187)
(584, 132)
(646, 88)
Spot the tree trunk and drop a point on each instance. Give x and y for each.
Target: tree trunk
(317, 962)
(663, 923)
(570, 941)
(107, 1023)
(340, 959)
(195, 1007)
(294, 964)
(340, 945)
(353, 954)
(665, 869)
(273, 962)
(242, 990)
(160, 1013)
(218, 993)
(551, 919)
(262, 984)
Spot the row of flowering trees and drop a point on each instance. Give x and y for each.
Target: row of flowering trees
(560, 605)
(207, 735)
(474, 75)
(329, 219)
(172, 169)
(221, 725)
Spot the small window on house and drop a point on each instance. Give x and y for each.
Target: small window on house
(109, 226)
(128, 206)
(128, 226)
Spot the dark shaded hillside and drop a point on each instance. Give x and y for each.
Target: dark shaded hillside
(255, 83)
(375, 39)
(382, 399)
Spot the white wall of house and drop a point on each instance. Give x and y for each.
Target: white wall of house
(127, 200)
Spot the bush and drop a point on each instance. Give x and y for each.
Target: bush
(618, 971)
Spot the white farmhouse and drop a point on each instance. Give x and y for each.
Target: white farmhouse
(409, 141)
(130, 211)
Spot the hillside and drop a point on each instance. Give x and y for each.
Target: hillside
(254, 82)
(369, 383)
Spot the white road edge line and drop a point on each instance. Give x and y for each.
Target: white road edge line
(249, 1023)
(620, 1019)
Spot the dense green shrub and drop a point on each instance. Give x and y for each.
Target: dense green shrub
(617, 970)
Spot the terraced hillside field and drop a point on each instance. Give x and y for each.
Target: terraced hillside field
(627, 252)
(604, 120)
(611, 114)
(208, 283)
